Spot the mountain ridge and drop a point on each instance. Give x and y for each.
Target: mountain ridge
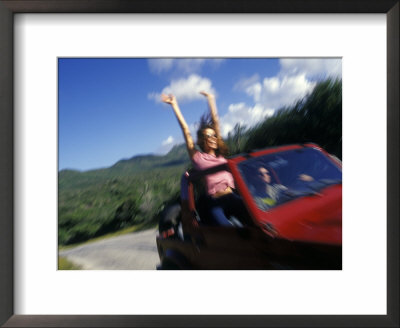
(131, 191)
(177, 155)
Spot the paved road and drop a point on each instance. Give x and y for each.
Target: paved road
(134, 251)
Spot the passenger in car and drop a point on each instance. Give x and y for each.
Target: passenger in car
(222, 202)
(269, 191)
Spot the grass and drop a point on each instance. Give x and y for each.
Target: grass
(135, 228)
(64, 264)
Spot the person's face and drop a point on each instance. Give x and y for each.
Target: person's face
(264, 174)
(210, 140)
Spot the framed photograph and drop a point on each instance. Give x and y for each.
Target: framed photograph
(51, 44)
(109, 201)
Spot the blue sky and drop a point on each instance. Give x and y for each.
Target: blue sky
(109, 108)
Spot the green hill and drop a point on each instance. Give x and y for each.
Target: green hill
(131, 191)
(177, 156)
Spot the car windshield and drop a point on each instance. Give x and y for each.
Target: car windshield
(277, 178)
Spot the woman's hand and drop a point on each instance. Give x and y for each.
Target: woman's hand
(169, 99)
(213, 110)
(206, 94)
(305, 177)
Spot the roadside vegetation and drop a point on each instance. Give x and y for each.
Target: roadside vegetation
(132, 192)
(64, 264)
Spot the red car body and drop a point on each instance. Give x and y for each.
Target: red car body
(302, 232)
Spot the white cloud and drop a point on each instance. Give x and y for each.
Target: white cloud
(255, 91)
(244, 115)
(181, 65)
(215, 62)
(160, 65)
(168, 141)
(186, 89)
(269, 94)
(189, 65)
(291, 84)
(167, 144)
(276, 92)
(244, 83)
(312, 67)
(295, 80)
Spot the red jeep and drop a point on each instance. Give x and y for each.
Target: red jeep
(299, 228)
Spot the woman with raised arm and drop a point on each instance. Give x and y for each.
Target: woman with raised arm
(222, 201)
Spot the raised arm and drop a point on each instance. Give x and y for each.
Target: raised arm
(170, 99)
(213, 111)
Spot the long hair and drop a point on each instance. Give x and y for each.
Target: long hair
(206, 123)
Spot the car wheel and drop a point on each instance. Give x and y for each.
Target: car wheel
(170, 218)
(168, 265)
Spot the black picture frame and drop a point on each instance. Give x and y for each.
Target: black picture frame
(10, 7)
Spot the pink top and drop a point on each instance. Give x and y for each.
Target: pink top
(217, 181)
